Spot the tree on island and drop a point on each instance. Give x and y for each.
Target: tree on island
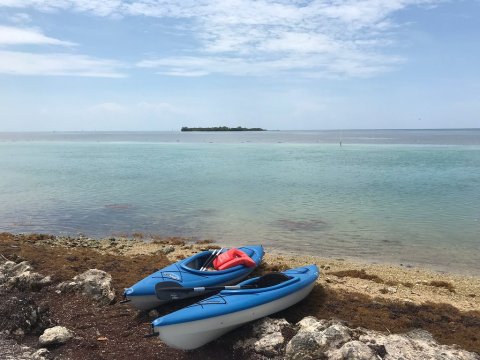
(220, 128)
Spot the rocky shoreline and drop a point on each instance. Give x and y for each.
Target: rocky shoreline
(60, 300)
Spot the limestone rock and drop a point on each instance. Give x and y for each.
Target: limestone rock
(21, 276)
(303, 346)
(391, 289)
(333, 336)
(55, 336)
(415, 345)
(332, 340)
(353, 350)
(267, 337)
(315, 338)
(168, 249)
(269, 334)
(42, 354)
(310, 323)
(94, 283)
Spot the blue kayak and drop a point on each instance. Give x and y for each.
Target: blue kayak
(189, 273)
(206, 320)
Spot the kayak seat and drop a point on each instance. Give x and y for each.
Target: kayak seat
(271, 279)
(232, 258)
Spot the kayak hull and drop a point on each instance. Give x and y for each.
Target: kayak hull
(192, 335)
(188, 335)
(185, 273)
(145, 302)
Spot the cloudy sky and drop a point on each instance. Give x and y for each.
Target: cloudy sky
(277, 64)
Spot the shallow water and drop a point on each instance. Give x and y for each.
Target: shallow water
(410, 197)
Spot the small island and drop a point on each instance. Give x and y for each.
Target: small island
(220, 128)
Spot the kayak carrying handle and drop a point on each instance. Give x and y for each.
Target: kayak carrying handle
(125, 299)
(153, 333)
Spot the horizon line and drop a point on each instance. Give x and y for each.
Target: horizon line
(271, 130)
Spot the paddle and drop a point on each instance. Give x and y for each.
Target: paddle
(210, 259)
(170, 290)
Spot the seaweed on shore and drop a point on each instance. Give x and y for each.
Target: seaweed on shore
(442, 284)
(360, 274)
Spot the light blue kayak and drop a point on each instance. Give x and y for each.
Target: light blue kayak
(206, 320)
(188, 273)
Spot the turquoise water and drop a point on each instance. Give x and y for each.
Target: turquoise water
(381, 196)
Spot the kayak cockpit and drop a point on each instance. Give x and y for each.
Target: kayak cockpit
(269, 280)
(196, 263)
(263, 283)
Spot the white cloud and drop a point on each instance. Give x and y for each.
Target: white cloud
(44, 64)
(18, 36)
(24, 63)
(344, 64)
(309, 38)
(100, 8)
(262, 37)
(293, 42)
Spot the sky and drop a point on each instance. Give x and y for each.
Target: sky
(155, 65)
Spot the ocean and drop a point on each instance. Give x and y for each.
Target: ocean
(409, 197)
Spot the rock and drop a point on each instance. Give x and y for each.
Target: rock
(391, 289)
(310, 322)
(55, 336)
(303, 346)
(269, 326)
(333, 336)
(42, 354)
(353, 350)
(267, 337)
(168, 249)
(94, 283)
(315, 338)
(270, 344)
(21, 276)
(414, 345)
(333, 340)
(269, 334)
(419, 334)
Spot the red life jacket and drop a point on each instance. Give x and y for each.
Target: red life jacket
(231, 258)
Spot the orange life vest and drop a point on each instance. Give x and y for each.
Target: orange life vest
(231, 258)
